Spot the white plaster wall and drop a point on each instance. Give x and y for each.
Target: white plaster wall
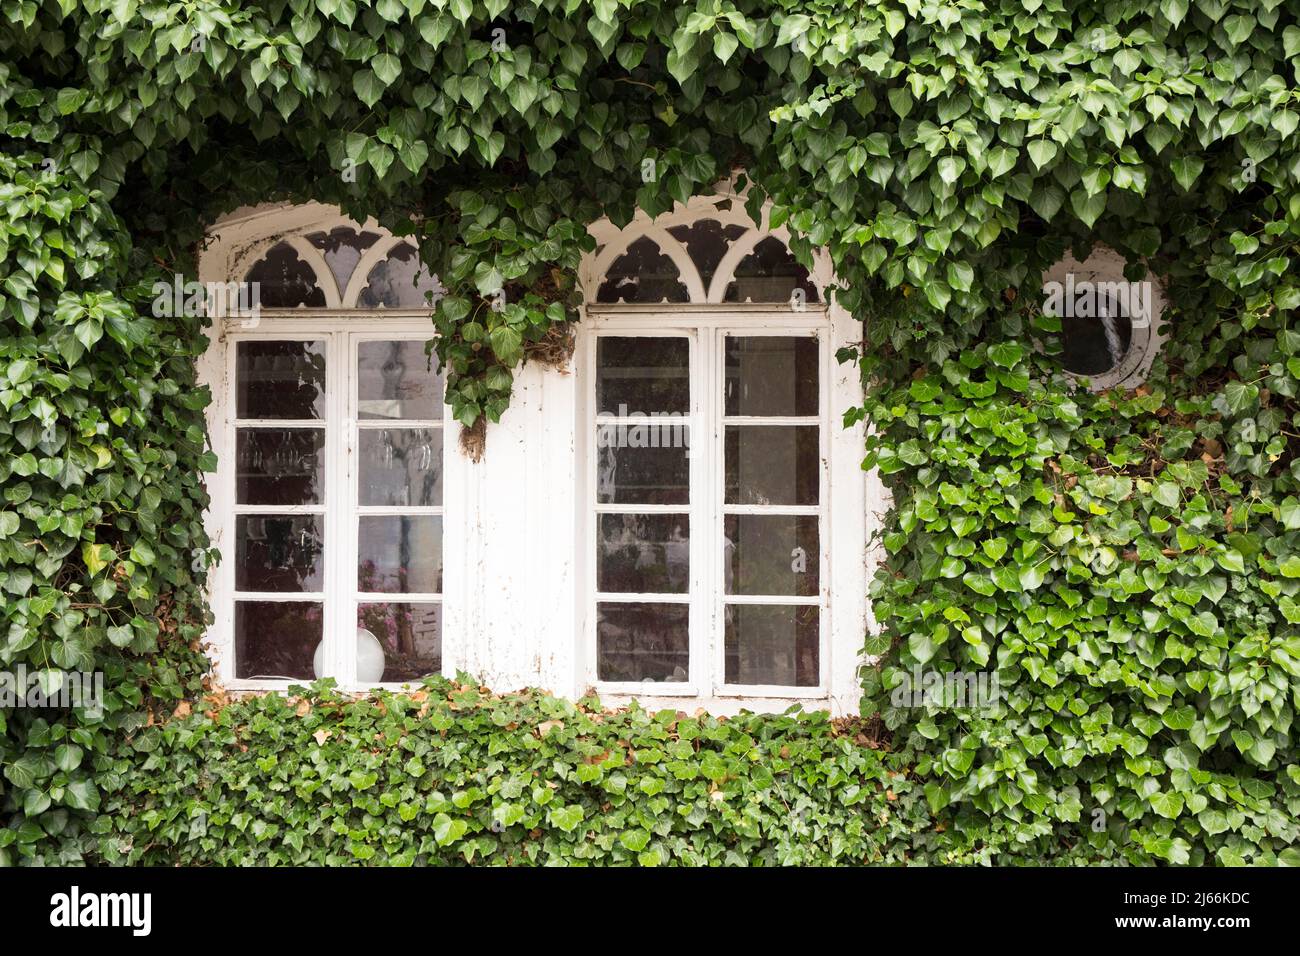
(510, 544)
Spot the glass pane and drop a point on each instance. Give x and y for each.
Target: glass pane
(277, 638)
(772, 644)
(643, 642)
(772, 554)
(771, 375)
(400, 554)
(280, 380)
(770, 274)
(279, 553)
(279, 466)
(284, 280)
(643, 274)
(643, 375)
(772, 464)
(631, 472)
(707, 241)
(400, 281)
(398, 642)
(643, 553)
(1093, 345)
(396, 379)
(342, 247)
(400, 467)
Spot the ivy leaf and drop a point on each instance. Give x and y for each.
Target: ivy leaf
(950, 168)
(791, 27)
(567, 818)
(369, 88)
(1007, 354)
(1186, 170)
(1031, 576)
(682, 61)
(724, 45)
(1168, 804)
(82, 795)
(386, 67)
(507, 345)
(1041, 151)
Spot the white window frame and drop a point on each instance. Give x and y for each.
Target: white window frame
(850, 502)
(236, 244)
(342, 332)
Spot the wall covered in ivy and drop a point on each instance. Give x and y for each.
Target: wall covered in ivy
(1125, 562)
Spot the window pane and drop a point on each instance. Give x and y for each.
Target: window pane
(772, 554)
(280, 380)
(284, 280)
(707, 241)
(643, 374)
(398, 642)
(771, 644)
(643, 553)
(400, 467)
(642, 274)
(772, 464)
(1093, 345)
(279, 553)
(400, 281)
(277, 638)
(771, 375)
(642, 642)
(342, 247)
(279, 466)
(643, 464)
(400, 554)
(397, 380)
(770, 274)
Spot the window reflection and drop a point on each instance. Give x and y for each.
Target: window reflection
(409, 637)
(400, 281)
(644, 553)
(643, 642)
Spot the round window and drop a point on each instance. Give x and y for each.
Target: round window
(1108, 323)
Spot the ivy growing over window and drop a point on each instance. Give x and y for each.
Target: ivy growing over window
(1125, 562)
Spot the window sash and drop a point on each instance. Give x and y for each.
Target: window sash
(339, 506)
(707, 510)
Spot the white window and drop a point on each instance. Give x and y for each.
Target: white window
(328, 421)
(717, 471)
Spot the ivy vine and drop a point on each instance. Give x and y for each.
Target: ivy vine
(1126, 562)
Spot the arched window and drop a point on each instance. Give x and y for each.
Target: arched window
(717, 470)
(328, 424)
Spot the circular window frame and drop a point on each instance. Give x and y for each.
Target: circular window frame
(1146, 341)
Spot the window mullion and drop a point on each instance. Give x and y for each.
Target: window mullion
(710, 518)
(342, 509)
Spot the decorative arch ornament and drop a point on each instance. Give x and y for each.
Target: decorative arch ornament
(708, 251)
(312, 256)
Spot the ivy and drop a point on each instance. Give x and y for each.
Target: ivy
(465, 776)
(1127, 564)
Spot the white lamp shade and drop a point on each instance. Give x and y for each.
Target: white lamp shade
(370, 658)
